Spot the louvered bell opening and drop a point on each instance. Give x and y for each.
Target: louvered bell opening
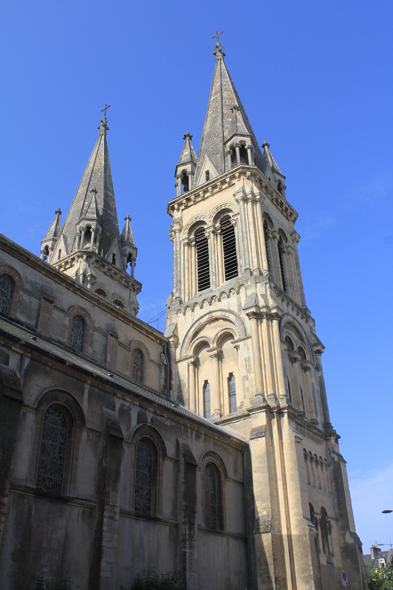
(229, 247)
(202, 261)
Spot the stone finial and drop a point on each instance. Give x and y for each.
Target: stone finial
(219, 52)
(104, 126)
(58, 212)
(265, 145)
(128, 218)
(187, 136)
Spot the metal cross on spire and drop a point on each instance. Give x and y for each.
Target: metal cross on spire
(217, 35)
(105, 109)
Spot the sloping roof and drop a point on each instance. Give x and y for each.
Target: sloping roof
(223, 120)
(188, 153)
(97, 176)
(127, 237)
(54, 230)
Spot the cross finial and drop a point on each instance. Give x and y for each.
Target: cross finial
(94, 190)
(127, 218)
(58, 212)
(187, 135)
(105, 109)
(217, 35)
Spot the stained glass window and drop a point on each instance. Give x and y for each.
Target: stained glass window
(213, 497)
(145, 467)
(78, 332)
(137, 369)
(55, 435)
(6, 290)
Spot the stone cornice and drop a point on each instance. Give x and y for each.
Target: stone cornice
(69, 283)
(228, 179)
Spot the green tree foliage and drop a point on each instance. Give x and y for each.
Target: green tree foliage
(381, 578)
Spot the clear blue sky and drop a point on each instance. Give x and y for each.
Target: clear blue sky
(315, 79)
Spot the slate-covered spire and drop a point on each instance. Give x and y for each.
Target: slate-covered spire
(225, 119)
(185, 169)
(94, 199)
(52, 235)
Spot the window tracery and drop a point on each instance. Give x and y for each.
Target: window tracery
(53, 450)
(7, 286)
(213, 497)
(78, 333)
(138, 365)
(145, 476)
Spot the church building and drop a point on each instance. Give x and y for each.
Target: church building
(207, 450)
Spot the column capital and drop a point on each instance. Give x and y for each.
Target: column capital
(253, 315)
(215, 353)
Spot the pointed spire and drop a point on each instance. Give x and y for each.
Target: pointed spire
(127, 237)
(225, 118)
(188, 154)
(99, 204)
(54, 230)
(269, 157)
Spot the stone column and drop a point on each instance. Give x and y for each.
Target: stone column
(250, 155)
(256, 348)
(188, 526)
(274, 237)
(99, 235)
(192, 385)
(252, 235)
(178, 185)
(282, 393)
(239, 249)
(103, 565)
(211, 238)
(93, 236)
(11, 400)
(83, 237)
(215, 394)
(322, 389)
(267, 356)
(194, 282)
(78, 239)
(261, 233)
(237, 148)
(173, 371)
(220, 257)
(295, 238)
(175, 237)
(243, 230)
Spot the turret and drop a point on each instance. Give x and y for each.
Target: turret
(52, 236)
(185, 169)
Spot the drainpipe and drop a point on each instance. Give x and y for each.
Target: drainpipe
(247, 523)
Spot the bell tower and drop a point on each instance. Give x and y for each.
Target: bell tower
(244, 349)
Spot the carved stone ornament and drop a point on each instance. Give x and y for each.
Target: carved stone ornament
(258, 432)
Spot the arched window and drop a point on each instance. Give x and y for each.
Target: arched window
(53, 450)
(113, 258)
(229, 247)
(185, 182)
(7, 286)
(78, 333)
(213, 497)
(207, 175)
(202, 248)
(87, 240)
(118, 303)
(266, 235)
(137, 367)
(282, 263)
(206, 399)
(233, 157)
(145, 476)
(232, 393)
(289, 391)
(101, 292)
(243, 155)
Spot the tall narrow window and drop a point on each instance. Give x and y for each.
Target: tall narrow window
(202, 248)
(185, 182)
(289, 390)
(229, 247)
(206, 399)
(266, 235)
(302, 398)
(53, 450)
(282, 263)
(232, 393)
(207, 175)
(213, 497)
(243, 155)
(137, 368)
(325, 531)
(7, 286)
(145, 476)
(78, 333)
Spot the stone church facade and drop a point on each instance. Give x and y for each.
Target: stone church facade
(207, 449)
